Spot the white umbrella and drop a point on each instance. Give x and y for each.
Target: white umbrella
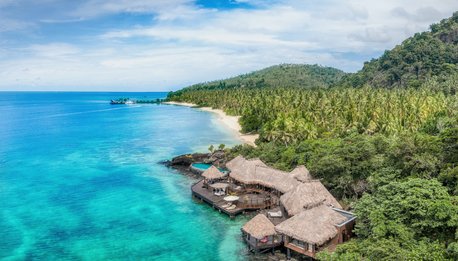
(231, 198)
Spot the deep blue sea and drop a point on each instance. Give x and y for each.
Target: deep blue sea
(80, 180)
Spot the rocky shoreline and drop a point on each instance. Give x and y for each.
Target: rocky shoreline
(183, 162)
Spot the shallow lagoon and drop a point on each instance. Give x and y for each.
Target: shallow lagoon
(80, 180)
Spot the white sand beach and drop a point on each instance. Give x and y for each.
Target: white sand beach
(231, 122)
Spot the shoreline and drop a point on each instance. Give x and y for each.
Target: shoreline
(231, 122)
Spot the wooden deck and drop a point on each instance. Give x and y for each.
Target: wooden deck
(216, 202)
(250, 201)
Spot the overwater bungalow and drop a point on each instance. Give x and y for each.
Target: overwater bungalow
(260, 235)
(212, 174)
(313, 217)
(316, 229)
(303, 215)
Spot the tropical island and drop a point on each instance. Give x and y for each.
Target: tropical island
(381, 145)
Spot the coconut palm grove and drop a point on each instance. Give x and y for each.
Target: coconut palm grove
(383, 140)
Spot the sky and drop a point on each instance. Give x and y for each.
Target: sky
(163, 45)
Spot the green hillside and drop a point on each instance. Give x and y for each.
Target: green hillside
(432, 54)
(284, 75)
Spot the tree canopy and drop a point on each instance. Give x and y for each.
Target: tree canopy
(426, 55)
(284, 75)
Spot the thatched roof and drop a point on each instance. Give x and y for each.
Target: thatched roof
(212, 173)
(307, 195)
(259, 227)
(240, 163)
(315, 226)
(256, 172)
(301, 173)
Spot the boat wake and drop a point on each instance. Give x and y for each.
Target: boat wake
(75, 113)
(84, 112)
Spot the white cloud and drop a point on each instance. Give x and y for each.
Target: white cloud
(8, 25)
(186, 43)
(93, 8)
(53, 50)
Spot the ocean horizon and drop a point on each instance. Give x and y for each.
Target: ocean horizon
(81, 179)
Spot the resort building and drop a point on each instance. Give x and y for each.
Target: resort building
(307, 195)
(260, 234)
(301, 214)
(211, 176)
(312, 230)
(254, 174)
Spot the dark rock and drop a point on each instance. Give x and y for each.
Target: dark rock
(188, 159)
(218, 158)
(182, 163)
(165, 162)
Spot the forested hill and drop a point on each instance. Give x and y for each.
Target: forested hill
(284, 75)
(432, 54)
(429, 57)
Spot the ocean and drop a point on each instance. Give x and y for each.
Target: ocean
(80, 179)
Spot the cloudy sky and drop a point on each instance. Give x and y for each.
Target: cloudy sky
(161, 45)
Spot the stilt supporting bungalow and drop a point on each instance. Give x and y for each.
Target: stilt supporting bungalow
(313, 230)
(260, 235)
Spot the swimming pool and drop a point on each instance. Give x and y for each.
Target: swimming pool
(201, 167)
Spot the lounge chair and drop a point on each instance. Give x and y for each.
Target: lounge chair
(231, 207)
(219, 193)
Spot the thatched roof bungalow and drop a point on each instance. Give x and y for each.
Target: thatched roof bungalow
(259, 227)
(212, 173)
(307, 195)
(244, 166)
(315, 229)
(260, 233)
(255, 172)
(316, 219)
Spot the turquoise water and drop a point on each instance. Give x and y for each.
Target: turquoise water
(80, 180)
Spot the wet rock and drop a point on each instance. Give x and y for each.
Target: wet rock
(217, 158)
(188, 159)
(182, 163)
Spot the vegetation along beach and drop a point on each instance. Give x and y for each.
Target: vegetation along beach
(229, 130)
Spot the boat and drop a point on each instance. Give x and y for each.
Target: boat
(122, 101)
